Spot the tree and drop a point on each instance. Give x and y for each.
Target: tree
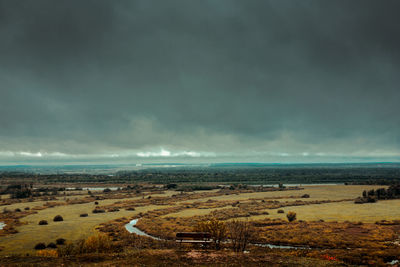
(240, 234)
(216, 228)
(364, 193)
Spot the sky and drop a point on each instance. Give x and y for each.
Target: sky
(199, 81)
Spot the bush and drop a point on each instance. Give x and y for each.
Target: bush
(17, 210)
(113, 210)
(40, 246)
(52, 245)
(107, 190)
(359, 200)
(43, 222)
(98, 210)
(305, 196)
(216, 228)
(58, 218)
(66, 250)
(96, 203)
(83, 215)
(60, 241)
(240, 233)
(23, 193)
(281, 211)
(48, 253)
(97, 243)
(371, 199)
(27, 208)
(94, 244)
(291, 216)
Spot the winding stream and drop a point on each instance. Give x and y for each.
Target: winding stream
(2, 224)
(130, 227)
(134, 230)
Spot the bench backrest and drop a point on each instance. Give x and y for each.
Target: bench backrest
(193, 235)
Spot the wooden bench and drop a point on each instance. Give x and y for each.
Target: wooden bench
(193, 237)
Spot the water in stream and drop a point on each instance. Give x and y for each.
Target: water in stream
(130, 227)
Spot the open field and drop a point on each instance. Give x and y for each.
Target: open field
(72, 228)
(316, 192)
(342, 211)
(165, 213)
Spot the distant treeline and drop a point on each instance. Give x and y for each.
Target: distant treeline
(376, 182)
(226, 175)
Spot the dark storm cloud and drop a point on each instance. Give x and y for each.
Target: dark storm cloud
(219, 76)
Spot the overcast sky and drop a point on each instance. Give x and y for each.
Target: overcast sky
(199, 81)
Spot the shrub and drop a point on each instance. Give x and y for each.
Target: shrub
(98, 210)
(48, 253)
(359, 200)
(43, 222)
(305, 196)
(240, 233)
(27, 208)
(281, 211)
(96, 203)
(17, 210)
(22, 193)
(94, 244)
(60, 241)
(83, 215)
(51, 245)
(113, 210)
(40, 246)
(66, 250)
(216, 228)
(291, 216)
(107, 190)
(130, 208)
(171, 186)
(97, 243)
(58, 218)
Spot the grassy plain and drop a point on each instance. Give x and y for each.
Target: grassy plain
(338, 211)
(159, 210)
(72, 228)
(316, 192)
(341, 211)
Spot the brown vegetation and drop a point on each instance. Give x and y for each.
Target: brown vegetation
(240, 233)
(216, 228)
(291, 216)
(58, 218)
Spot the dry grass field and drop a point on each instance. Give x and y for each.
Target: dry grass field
(316, 192)
(338, 211)
(341, 211)
(74, 227)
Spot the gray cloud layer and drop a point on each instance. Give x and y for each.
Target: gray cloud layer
(235, 79)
